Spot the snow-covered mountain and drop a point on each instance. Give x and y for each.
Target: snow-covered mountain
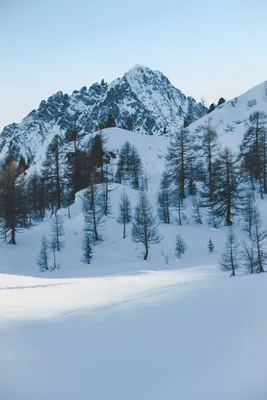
(229, 118)
(145, 96)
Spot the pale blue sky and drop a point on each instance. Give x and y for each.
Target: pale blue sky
(206, 48)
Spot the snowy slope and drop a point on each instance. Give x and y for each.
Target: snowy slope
(230, 117)
(124, 328)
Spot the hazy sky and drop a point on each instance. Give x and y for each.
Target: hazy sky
(206, 48)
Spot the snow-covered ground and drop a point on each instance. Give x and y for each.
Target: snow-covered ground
(188, 334)
(123, 328)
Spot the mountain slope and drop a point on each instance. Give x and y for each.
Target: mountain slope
(229, 119)
(146, 96)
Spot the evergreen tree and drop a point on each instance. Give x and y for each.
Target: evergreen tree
(36, 197)
(111, 122)
(227, 196)
(129, 167)
(248, 212)
(52, 174)
(210, 148)
(53, 246)
(107, 176)
(180, 247)
(57, 232)
(177, 159)
(254, 149)
(12, 201)
(93, 206)
(248, 256)
(197, 217)
(259, 240)
(164, 199)
(145, 225)
(43, 257)
(87, 248)
(211, 247)
(125, 211)
(231, 258)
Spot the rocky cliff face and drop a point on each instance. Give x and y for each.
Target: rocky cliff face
(146, 97)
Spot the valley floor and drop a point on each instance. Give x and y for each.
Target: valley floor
(185, 334)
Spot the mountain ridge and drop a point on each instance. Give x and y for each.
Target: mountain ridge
(145, 96)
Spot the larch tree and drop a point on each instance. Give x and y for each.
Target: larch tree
(177, 159)
(254, 149)
(180, 246)
(228, 192)
(57, 232)
(230, 260)
(145, 224)
(125, 211)
(43, 256)
(259, 240)
(53, 174)
(210, 149)
(164, 199)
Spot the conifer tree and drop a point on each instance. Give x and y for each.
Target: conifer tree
(248, 212)
(145, 224)
(180, 247)
(12, 201)
(87, 248)
(57, 232)
(52, 174)
(125, 211)
(177, 159)
(164, 199)
(211, 247)
(228, 194)
(111, 122)
(248, 257)
(93, 207)
(43, 257)
(230, 260)
(129, 167)
(210, 148)
(254, 149)
(53, 246)
(197, 217)
(259, 240)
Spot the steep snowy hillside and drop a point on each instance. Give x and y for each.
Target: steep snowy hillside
(146, 97)
(229, 118)
(125, 328)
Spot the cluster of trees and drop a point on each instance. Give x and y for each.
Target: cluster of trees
(216, 179)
